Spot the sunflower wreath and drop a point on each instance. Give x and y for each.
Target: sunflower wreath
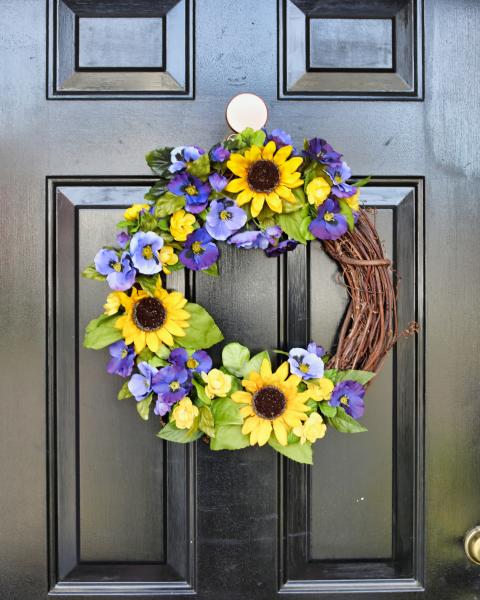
(254, 191)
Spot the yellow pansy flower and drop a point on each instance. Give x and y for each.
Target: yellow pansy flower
(318, 190)
(218, 383)
(167, 257)
(353, 201)
(131, 214)
(181, 225)
(112, 304)
(184, 413)
(322, 389)
(313, 429)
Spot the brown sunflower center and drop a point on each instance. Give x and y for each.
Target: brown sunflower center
(263, 176)
(149, 314)
(269, 402)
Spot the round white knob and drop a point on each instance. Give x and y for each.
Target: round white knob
(246, 110)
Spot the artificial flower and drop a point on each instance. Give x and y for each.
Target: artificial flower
(281, 247)
(184, 414)
(224, 218)
(131, 214)
(112, 305)
(199, 251)
(353, 201)
(167, 258)
(349, 395)
(181, 155)
(122, 239)
(320, 151)
(316, 349)
(264, 174)
(317, 191)
(162, 407)
(217, 181)
(272, 402)
(144, 248)
(306, 365)
(194, 190)
(329, 224)
(118, 270)
(280, 137)
(321, 390)
(312, 430)
(339, 175)
(153, 320)
(256, 238)
(122, 361)
(171, 384)
(218, 383)
(219, 154)
(140, 384)
(181, 225)
(199, 362)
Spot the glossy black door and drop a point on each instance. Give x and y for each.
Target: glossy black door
(91, 502)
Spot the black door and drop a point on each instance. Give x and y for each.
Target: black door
(90, 503)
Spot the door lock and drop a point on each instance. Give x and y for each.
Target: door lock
(472, 544)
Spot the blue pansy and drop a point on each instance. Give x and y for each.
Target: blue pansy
(329, 223)
(217, 181)
(199, 362)
(118, 270)
(339, 175)
(320, 151)
(140, 384)
(280, 137)
(219, 154)
(122, 239)
(194, 190)
(305, 364)
(224, 219)
(349, 395)
(171, 384)
(144, 248)
(316, 349)
(181, 155)
(122, 360)
(199, 251)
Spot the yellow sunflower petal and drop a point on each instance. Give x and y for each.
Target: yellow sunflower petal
(241, 397)
(269, 151)
(257, 204)
(266, 369)
(282, 155)
(284, 192)
(254, 154)
(274, 202)
(152, 341)
(165, 336)
(246, 411)
(173, 328)
(237, 185)
(250, 424)
(263, 432)
(280, 432)
(291, 181)
(139, 341)
(244, 197)
(282, 371)
(291, 165)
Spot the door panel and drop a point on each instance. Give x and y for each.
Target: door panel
(92, 502)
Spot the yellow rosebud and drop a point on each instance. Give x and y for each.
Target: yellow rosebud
(184, 413)
(353, 201)
(318, 190)
(112, 304)
(167, 257)
(181, 225)
(218, 383)
(313, 429)
(321, 390)
(131, 214)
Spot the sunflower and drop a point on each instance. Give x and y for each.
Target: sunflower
(264, 174)
(151, 320)
(271, 402)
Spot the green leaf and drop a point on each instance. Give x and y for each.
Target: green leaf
(345, 423)
(326, 409)
(234, 358)
(226, 412)
(202, 331)
(101, 332)
(206, 422)
(143, 407)
(295, 225)
(159, 160)
(201, 393)
(157, 190)
(362, 377)
(145, 355)
(183, 436)
(91, 272)
(124, 393)
(163, 352)
(255, 363)
(168, 204)
(148, 282)
(201, 167)
(346, 211)
(157, 362)
(362, 182)
(212, 270)
(301, 453)
(229, 437)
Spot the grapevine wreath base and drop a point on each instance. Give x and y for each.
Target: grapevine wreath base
(256, 191)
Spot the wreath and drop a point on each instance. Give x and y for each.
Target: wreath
(254, 190)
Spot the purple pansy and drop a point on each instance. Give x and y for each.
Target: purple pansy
(140, 384)
(316, 349)
(329, 224)
(178, 357)
(281, 248)
(219, 154)
(199, 362)
(217, 181)
(349, 395)
(256, 238)
(196, 192)
(162, 407)
(305, 364)
(199, 251)
(320, 151)
(122, 239)
(119, 271)
(339, 174)
(280, 137)
(181, 155)
(171, 384)
(122, 360)
(144, 247)
(224, 219)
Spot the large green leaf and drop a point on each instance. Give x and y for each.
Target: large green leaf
(255, 363)
(148, 282)
(345, 423)
(183, 436)
(201, 393)
(229, 437)
(143, 407)
(326, 409)
(298, 452)
(362, 377)
(200, 167)
(159, 160)
(202, 330)
(226, 412)
(205, 421)
(168, 204)
(295, 225)
(101, 332)
(234, 358)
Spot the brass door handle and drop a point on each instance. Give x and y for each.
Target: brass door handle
(472, 545)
